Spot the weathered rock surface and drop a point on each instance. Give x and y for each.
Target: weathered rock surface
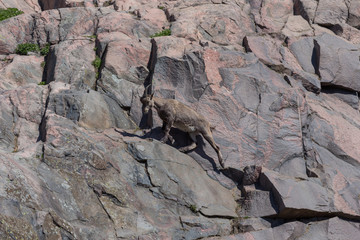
(277, 79)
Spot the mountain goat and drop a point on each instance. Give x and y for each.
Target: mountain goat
(178, 115)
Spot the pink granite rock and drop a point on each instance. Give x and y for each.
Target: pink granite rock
(211, 22)
(14, 31)
(27, 6)
(354, 14)
(281, 95)
(20, 71)
(274, 14)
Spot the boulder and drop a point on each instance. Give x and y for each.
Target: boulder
(77, 23)
(297, 26)
(347, 32)
(72, 62)
(21, 114)
(211, 22)
(274, 14)
(306, 8)
(342, 70)
(180, 178)
(334, 228)
(331, 12)
(90, 110)
(20, 71)
(134, 57)
(27, 6)
(21, 27)
(354, 14)
(128, 24)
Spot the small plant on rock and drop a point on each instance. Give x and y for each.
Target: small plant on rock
(9, 12)
(97, 63)
(165, 32)
(193, 208)
(45, 50)
(108, 3)
(42, 83)
(25, 48)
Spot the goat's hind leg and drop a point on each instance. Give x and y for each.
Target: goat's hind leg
(208, 136)
(192, 146)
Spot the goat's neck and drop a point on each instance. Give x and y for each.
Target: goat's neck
(158, 103)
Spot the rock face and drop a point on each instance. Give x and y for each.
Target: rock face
(278, 81)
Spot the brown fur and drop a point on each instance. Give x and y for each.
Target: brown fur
(178, 115)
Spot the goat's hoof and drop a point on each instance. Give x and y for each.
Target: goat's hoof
(181, 150)
(221, 167)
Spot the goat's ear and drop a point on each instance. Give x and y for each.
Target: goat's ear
(152, 95)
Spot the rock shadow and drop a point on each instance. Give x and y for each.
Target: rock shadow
(181, 139)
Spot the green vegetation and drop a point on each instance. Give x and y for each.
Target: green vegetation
(165, 32)
(107, 3)
(97, 63)
(43, 63)
(193, 208)
(45, 50)
(9, 12)
(92, 36)
(25, 48)
(42, 83)
(161, 7)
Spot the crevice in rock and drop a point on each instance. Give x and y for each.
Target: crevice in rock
(170, 17)
(52, 4)
(328, 86)
(42, 125)
(50, 64)
(100, 69)
(349, 96)
(315, 58)
(286, 78)
(107, 213)
(148, 174)
(63, 225)
(245, 44)
(151, 64)
(13, 128)
(146, 120)
(300, 10)
(291, 214)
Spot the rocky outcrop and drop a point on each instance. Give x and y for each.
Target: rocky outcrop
(278, 80)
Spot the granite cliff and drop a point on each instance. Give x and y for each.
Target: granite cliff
(279, 79)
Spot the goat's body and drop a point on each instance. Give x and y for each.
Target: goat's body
(182, 116)
(178, 115)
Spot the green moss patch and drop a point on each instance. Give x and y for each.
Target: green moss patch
(9, 12)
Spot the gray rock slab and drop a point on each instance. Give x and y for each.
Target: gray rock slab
(295, 197)
(330, 12)
(21, 71)
(71, 62)
(175, 172)
(91, 109)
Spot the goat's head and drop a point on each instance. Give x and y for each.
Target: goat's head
(147, 100)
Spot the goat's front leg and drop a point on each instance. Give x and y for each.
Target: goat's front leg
(166, 127)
